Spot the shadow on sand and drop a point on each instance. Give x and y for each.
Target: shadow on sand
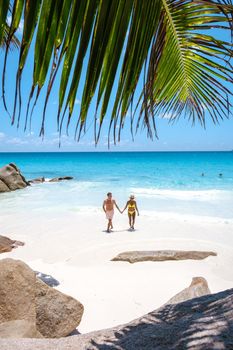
(115, 231)
(199, 324)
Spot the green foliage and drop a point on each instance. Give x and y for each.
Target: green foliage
(185, 67)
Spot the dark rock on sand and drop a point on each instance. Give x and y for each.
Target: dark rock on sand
(11, 179)
(161, 255)
(56, 179)
(197, 288)
(7, 244)
(19, 329)
(47, 279)
(197, 324)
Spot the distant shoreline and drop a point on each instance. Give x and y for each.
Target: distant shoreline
(108, 152)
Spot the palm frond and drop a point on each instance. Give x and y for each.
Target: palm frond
(194, 66)
(116, 45)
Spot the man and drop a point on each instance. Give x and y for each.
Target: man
(108, 207)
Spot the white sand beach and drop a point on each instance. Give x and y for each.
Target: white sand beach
(76, 250)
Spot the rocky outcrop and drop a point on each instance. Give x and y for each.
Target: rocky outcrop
(161, 255)
(197, 324)
(7, 244)
(11, 179)
(24, 297)
(197, 288)
(19, 329)
(57, 314)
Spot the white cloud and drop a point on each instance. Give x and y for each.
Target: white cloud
(17, 141)
(2, 135)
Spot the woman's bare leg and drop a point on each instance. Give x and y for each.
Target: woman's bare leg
(129, 216)
(133, 220)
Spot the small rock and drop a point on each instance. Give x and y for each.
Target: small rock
(47, 279)
(36, 181)
(56, 179)
(7, 244)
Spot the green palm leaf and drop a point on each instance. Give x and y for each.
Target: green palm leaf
(169, 45)
(195, 64)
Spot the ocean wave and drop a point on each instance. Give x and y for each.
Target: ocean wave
(190, 195)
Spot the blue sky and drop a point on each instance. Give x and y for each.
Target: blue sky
(179, 136)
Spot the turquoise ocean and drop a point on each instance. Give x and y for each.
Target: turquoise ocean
(190, 183)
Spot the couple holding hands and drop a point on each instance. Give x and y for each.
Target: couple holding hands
(108, 207)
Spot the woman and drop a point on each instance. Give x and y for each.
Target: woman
(132, 208)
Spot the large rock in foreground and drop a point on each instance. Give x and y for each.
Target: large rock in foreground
(24, 297)
(57, 314)
(198, 324)
(11, 179)
(7, 244)
(161, 255)
(17, 291)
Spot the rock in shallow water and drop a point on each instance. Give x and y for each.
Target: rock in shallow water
(37, 181)
(56, 179)
(162, 255)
